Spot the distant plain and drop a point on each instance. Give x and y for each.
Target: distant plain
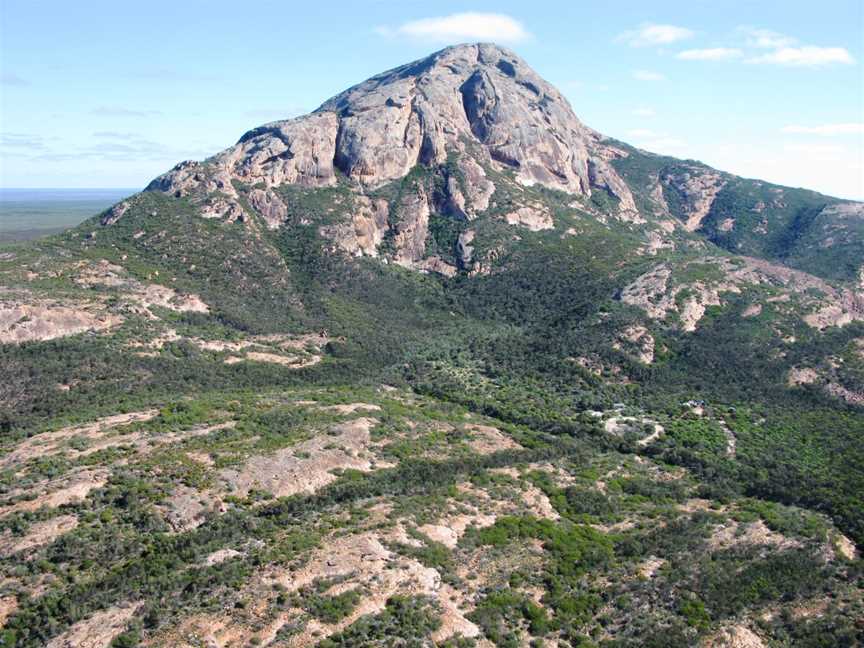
(31, 213)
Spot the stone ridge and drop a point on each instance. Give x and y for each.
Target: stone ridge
(480, 101)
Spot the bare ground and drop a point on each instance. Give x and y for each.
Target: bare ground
(57, 492)
(39, 534)
(486, 439)
(99, 630)
(307, 466)
(51, 442)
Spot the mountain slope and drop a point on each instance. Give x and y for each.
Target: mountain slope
(438, 363)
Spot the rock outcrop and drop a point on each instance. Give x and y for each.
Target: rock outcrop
(480, 103)
(366, 230)
(533, 218)
(412, 228)
(697, 188)
(658, 295)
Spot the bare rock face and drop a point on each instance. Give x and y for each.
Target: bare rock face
(115, 213)
(481, 94)
(698, 187)
(533, 218)
(270, 206)
(464, 248)
(194, 178)
(478, 188)
(658, 295)
(412, 228)
(480, 101)
(853, 210)
(437, 265)
(299, 151)
(637, 340)
(21, 322)
(660, 206)
(226, 209)
(365, 232)
(603, 176)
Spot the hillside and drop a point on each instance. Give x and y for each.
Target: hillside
(437, 362)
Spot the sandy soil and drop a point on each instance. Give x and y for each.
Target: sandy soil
(351, 408)
(64, 490)
(39, 534)
(736, 636)
(50, 442)
(755, 533)
(307, 466)
(187, 508)
(486, 439)
(97, 631)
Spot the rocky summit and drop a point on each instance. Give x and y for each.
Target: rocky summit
(476, 101)
(437, 365)
(457, 112)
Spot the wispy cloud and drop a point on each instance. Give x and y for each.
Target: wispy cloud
(118, 150)
(710, 54)
(786, 50)
(110, 146)
(12, 79)
(22, 141)
(805, 56)
(765, 38)
(120, 111)
(133, 148)
(768, 47)
(827, 130)
(460, 27)
(648, 75)
(650, 34)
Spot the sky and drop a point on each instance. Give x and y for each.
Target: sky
(111, 94)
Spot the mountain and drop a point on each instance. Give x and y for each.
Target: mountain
(437, 364)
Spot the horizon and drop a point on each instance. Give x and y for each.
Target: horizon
(74, 118)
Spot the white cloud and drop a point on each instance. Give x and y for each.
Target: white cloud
(777, 49)
(786, 50)
(643, 112)
(827, 130)
(711, 54)
(650, 34)
(765, 38)
(805, 56)
(648, 75)
(462, 27)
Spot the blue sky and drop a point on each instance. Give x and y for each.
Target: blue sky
(110, 94)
